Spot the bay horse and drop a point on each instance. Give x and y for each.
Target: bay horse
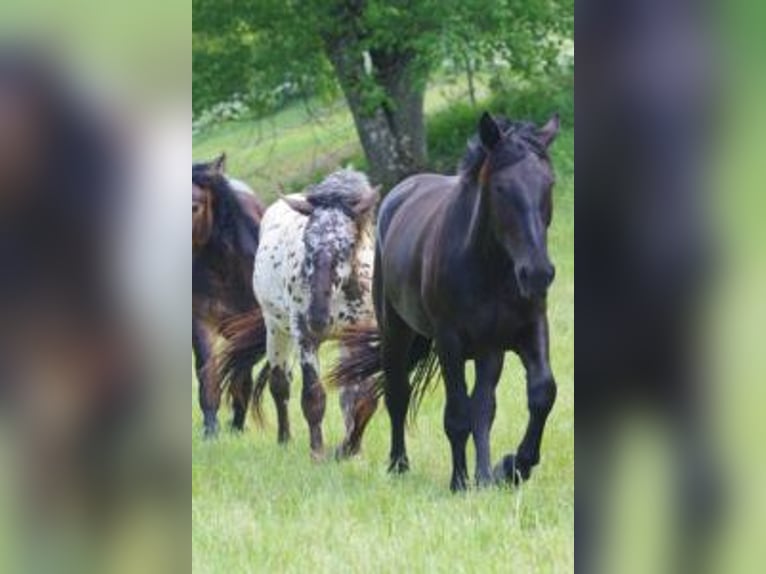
(225, 228)
(313, 274)
(461, 273)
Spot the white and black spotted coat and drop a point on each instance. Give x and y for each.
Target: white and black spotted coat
(284, 266)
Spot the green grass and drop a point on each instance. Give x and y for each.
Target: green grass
(259, 507)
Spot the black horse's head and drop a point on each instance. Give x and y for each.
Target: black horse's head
(517, 178)
(338, 209)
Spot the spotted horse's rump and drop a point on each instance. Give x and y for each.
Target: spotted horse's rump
(312, 277)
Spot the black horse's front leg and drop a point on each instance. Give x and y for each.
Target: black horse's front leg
(209, 395)
(457, 412)
(541, 395)
(483, 407)
(396, 347)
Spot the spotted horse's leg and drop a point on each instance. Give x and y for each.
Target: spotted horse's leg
(278, 352)
(313, 399)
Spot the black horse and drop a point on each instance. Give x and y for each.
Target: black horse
(225, 233)
(461, 273)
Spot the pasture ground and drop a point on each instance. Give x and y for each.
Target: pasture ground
(258, 507)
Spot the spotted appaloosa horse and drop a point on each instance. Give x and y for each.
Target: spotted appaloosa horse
(225, 222)
(312, 278)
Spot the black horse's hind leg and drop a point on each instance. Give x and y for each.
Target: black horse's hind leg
(209, 394)
(483, 407)
(457, 412)
(396, 344)
(541, 394)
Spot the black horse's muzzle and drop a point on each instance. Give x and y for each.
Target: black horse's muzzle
(534, 280)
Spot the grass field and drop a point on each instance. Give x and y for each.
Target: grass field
(257, 507)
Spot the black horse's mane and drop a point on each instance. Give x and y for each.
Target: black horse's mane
(519, 140)
(232, 229)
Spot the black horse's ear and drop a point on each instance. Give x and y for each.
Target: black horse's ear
(219, 164)
(489, 131)
(549, 131)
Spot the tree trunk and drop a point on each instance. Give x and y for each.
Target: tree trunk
(386, 102)
(470, 76)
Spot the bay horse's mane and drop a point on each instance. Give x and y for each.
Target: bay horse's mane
(232, 229)
(519, 140)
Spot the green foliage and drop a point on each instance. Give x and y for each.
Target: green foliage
(265, 50)
(535, 100)
(449, 129)
(254, 47)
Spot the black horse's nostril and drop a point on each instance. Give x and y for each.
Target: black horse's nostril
(542, 278)
(535, 280)
(549, 274)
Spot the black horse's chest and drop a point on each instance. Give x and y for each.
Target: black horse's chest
(484, 309)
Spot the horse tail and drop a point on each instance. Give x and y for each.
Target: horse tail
(363, 360)
(244, 346)
(260, 386)
(423, 367)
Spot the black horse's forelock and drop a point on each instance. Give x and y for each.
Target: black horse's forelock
(229, 219)
(520, 139)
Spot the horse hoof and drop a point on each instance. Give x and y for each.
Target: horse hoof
(506, 472)
(283, 439)
(399, 466)
(210, 433)
(483, 482)
(318, 456)
(346, 451)
(458, 485)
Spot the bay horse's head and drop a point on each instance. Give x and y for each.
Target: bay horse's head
(339, 211)
(204, 177)
(517, 178)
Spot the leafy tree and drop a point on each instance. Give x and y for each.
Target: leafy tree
(379, 53)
